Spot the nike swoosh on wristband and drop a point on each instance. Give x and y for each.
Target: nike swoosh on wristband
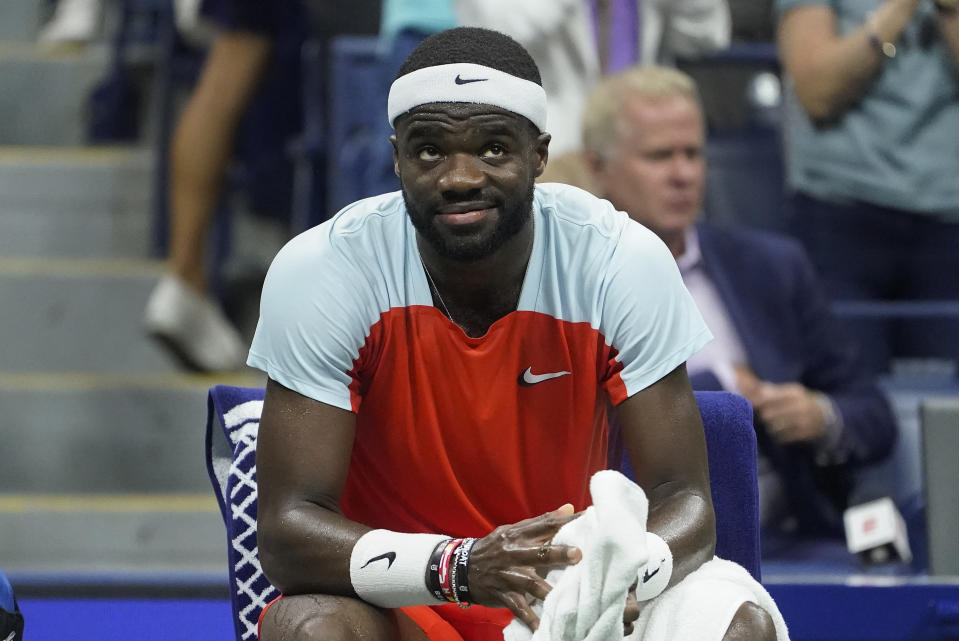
(528, 378)
(466, 81)
(389, 556)
(647, 575)
(11, 636)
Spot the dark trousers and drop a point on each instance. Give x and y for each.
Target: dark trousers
(865, 252)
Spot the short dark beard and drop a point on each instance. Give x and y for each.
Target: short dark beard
(467, 250)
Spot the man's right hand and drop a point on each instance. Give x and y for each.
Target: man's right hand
(512, 560)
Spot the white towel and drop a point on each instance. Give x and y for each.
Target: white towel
(587, 600)
(701, 606)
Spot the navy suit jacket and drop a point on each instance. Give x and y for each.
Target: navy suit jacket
(771, 294)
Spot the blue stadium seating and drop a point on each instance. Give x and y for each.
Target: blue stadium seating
(361, 157)
(745, 182)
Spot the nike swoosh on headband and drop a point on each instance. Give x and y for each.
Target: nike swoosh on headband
(466, 81)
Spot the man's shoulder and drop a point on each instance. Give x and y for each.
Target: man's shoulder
(362, 240)
(771, 260)
(573, 208)
(749, 240)
(578, 219)
(368, 215)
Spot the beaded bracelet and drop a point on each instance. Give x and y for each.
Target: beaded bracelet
(454, 592)
(445, 570)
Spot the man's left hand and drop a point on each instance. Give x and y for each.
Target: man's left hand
(631, 611)
(789, 411)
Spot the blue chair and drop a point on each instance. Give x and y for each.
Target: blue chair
(233, 417)
(733, 478)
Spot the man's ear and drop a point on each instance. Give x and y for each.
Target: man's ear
(541, 147)
(396, 156)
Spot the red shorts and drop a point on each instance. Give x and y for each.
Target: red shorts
(450, 622)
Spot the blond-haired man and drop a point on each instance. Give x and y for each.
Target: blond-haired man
(819, 415)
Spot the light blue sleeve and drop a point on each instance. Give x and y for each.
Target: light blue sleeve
(648, 315)
(314, 317)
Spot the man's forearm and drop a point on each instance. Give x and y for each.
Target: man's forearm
(685, 520)
(839, 70)
(306, 549)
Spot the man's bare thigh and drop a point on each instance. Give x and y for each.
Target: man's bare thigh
(312, 617)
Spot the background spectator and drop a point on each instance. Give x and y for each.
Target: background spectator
(575, 41)
(181, 313)
(873, 156)
(818, 414)
(255, 54)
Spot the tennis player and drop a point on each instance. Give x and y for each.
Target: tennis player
(440, 364)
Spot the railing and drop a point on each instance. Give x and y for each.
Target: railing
(867, 309)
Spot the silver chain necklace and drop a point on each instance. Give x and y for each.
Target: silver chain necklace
(436, 289)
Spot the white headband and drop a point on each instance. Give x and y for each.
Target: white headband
(467, 82)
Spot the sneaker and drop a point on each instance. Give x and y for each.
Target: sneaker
(73, 22)
(193, 327)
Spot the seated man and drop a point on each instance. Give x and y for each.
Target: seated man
(819, 414)
(440, 362)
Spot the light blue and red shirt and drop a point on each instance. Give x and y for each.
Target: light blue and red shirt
(458, 434)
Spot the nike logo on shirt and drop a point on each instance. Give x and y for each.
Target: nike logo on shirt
(528, 378)
(389, 556)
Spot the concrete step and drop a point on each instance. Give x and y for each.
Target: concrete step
(61, 535)
(45, 94)
(75, 202)
(97, 202)
(20, 19)
(77, 315)
(108, 474)
(87, 433)
(65, 231)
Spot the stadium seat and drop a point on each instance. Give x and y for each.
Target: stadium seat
(746, 183)
(360, 155)
(344, 153)
(731, 449)
(233, 417)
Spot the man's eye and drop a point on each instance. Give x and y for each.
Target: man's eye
(428, 153)
(658, 155)
(495, 151)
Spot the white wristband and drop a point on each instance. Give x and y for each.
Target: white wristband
(388, 569)
(655, 575)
